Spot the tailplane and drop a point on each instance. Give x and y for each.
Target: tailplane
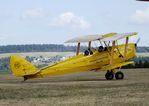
(21, 67)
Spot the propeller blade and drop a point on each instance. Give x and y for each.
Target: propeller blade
(138, 40)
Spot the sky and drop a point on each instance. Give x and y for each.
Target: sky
(56, 21)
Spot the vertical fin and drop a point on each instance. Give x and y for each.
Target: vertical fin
(21, 67)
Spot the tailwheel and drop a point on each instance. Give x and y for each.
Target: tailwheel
(109, 75)
(25, 78)
(119, 75)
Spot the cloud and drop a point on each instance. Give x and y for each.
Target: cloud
(141, 16)
(33, 13)
(70, 20)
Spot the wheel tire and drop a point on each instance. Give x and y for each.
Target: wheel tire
(109, 75)
(119, 75)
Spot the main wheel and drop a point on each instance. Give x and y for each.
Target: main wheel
(109, 75)
(119, 75)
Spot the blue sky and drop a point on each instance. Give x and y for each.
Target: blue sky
(55, 21)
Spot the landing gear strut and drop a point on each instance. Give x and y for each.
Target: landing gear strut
(110, 75)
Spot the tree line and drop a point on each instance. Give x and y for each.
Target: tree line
(38, 48)
(139, 62)
(48, 48)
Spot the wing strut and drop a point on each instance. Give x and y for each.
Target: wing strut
(112, 52)
(78, 49)
(126, 46)
(89, 45)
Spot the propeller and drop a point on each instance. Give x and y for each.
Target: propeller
(138, 40)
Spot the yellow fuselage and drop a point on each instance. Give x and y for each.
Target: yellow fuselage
(85, 63)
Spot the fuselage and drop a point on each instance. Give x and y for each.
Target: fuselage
(81, 63)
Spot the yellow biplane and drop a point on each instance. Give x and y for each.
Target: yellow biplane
(109, 56)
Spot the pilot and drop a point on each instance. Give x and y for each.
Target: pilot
(88, 52)
(100, 49)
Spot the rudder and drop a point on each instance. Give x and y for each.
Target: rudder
(21, 67)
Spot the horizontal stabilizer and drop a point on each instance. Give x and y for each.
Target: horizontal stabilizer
(110, 67)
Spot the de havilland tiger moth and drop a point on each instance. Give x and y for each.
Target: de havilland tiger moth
(110, 56)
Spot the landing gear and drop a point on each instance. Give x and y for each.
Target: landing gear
(119, 75)
(110, 75)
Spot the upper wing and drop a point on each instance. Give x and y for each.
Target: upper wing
(105, 37)
(89, 38)
(119, 36)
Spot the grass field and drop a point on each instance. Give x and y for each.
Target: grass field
(37, 54)
(80, 89)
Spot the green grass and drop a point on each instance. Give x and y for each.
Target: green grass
(37, 54)
(80, 89)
